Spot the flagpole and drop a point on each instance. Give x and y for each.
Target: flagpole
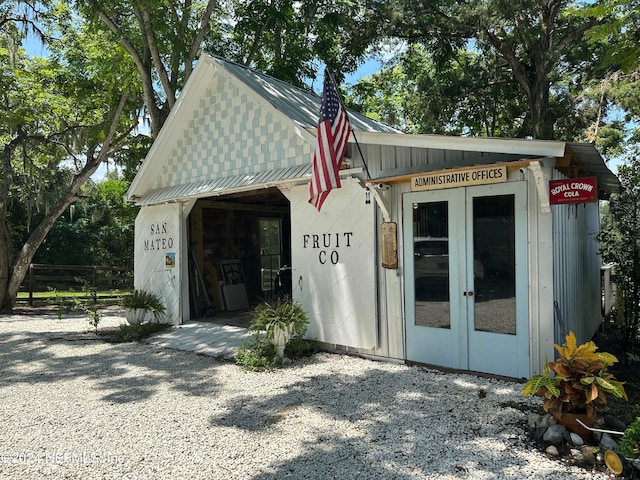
(346, 112)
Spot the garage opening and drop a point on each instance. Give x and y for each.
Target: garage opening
(239, 254)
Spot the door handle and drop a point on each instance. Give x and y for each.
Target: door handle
(467, 294)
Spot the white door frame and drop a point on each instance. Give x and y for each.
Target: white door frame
(461, 346)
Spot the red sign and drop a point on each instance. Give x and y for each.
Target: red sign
(573, 190)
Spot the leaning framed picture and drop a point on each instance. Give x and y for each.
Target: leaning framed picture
(232, 272)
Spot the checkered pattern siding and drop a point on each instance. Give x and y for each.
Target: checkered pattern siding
(232, 134)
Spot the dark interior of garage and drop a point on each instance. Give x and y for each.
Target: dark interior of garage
(239, 251)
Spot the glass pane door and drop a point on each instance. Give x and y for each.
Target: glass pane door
(270, 251)
(494, 264)
(431, 264)
(466, 292)
(435, 324)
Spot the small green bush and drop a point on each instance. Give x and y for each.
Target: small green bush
(135, 333)
(299, 347)
(630, 441)
(258, 355)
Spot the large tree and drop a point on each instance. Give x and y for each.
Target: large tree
(284, 38)
(162, 37)
(60, 118)
(469, 95)
(531, 39)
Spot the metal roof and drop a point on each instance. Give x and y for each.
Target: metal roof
(227, 185)
(302, 106)
(593, 164)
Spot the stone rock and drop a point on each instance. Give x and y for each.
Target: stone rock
(577, 455)
(552, 451)
(576, 439)
(607, 442)
(534, 420)
(539, 433)
(587, 454)
(614, 423)
(548, 420)
(554, 434)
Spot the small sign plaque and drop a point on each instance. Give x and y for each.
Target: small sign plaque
(573, 190)
(458, 178)
(388, 232)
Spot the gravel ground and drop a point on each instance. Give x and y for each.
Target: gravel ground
(74, 407)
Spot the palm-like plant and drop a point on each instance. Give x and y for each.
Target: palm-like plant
(148, 301)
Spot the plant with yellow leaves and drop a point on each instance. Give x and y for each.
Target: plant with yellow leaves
(580, 380)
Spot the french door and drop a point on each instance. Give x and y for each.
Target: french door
(466, 291)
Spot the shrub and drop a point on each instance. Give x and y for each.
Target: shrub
(630, 441)
(135, 333)
(580, 380)
(258, 355)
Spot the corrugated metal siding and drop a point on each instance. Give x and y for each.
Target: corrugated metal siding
(388, 160)
(576, 268)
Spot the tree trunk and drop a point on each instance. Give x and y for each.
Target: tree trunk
(18, 268)
(6, 259)
(541, 118)
(6, 242)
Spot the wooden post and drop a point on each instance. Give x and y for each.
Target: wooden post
(31, 284)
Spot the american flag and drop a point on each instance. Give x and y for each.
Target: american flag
(332, 137)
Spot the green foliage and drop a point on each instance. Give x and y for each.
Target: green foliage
(136, 333)
(299, 347)
(282, 313)
(580, 379)
(146, 300)
(465, 95)
(94, 317)
(258, 355)
(620, 244)
(619, 33)
(90, 308)
(630, 442)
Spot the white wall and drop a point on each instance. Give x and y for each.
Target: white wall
(157, 239)
(540, 258)
(334, 265)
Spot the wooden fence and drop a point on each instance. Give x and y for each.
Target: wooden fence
(81, 278)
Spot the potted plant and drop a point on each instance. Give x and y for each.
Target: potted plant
(281, 320)
(139, 303)
(578, 386)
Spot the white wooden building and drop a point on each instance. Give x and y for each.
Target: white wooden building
(488, 274)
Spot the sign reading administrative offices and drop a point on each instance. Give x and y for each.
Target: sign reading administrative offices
(458, 178)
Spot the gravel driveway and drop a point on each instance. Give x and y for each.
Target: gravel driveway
(74, 407)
